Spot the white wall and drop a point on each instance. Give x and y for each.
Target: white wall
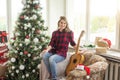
(55, 9)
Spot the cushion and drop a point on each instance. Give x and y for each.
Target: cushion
(96, 58)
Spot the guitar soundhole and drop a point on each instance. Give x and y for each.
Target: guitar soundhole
(75, 60)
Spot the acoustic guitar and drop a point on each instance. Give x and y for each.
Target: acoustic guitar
(76, 58)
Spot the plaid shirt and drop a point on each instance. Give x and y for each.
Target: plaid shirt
(60, 41)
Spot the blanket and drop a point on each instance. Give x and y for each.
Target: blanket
(43, 71)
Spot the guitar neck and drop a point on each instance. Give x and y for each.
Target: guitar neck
(78, 43)
(77, 47)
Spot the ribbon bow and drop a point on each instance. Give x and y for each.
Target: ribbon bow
(3, 34)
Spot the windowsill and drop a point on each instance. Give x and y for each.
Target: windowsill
(112, 55)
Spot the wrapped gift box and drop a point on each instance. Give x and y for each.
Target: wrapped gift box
(3, 37)
(3, 52)
(3, 48)
(3, 59)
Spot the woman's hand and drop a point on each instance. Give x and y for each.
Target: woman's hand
(44, 51)
(75, 47)
(82, 51)
(47, 49)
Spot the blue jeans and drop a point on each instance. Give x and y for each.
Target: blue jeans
(50, 61)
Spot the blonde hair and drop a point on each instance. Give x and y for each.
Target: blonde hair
(67, 29)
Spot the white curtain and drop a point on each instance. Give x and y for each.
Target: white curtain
(118, 30)
(118, 26)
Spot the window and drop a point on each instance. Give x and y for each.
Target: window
(79, 19)
(76, 15)
(96, 17)
(103, 19)
(3, 18)
(16, 10)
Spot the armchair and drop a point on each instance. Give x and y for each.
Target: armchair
(97, 65)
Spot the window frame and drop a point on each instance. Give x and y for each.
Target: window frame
(87, 25)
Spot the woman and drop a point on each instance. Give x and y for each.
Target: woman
(58, 47)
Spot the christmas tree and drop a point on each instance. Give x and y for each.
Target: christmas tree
(29, 40)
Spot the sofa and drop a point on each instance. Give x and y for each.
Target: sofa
(96, 63)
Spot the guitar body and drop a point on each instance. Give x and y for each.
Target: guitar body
(75, 59)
